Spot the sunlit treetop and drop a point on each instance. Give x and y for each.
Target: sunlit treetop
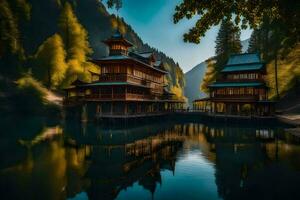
(245, 12)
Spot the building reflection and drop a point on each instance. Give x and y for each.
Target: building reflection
(120, 159)
(62, 162)
(255, 163)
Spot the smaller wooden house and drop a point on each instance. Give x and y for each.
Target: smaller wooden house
(240, 89)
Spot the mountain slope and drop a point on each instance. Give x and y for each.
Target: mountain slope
(193, 79)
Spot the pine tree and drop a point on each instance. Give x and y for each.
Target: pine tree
(268, 40)
(75, 38)
(228, 42)
(255, 42)
(50, 66)
(74, 35)
(12, 14)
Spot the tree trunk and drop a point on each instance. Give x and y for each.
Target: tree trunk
(49, 78)
(276, 77)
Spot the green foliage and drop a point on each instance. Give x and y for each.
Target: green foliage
(288, 73)
(74, 35)
(209, 77)
(30, 95)
(255, 42)
(50, 66)
(67, 19)
(9, 33)
(76, 43)
(284, 12)
(272, 41)
(13, 13)
(114, 4)
(246, 109)
(228, 42)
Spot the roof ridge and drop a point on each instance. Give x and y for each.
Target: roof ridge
(146, 52)
(251, 63)
(237, 54)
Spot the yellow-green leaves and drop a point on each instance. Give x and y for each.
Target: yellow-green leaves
(77, 47)
(51, 63)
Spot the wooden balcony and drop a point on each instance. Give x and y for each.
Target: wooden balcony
(227, 80)
(237, 98)
(124, 78)
(121, 97)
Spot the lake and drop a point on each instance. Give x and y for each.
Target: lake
(166, 159)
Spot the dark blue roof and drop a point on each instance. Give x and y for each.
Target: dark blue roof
(244, 62)
(115, 57)
(246, 58)
(117, 35)
(243, 67)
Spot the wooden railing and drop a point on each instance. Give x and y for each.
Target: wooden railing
(240, 97)
(128, 96)
(124, 78)
(241, 80)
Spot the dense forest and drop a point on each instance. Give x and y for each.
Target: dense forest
(47, 44)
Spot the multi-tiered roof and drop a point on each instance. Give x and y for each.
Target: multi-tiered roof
(242, 64)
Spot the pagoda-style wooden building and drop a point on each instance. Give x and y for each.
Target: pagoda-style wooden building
(128, 84)
(240, 89)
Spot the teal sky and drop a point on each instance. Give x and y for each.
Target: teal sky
(152, 20)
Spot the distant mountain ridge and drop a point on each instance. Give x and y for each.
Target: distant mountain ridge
(193, 78)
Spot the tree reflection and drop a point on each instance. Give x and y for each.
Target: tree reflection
(251, 162)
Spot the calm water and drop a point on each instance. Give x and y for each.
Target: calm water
(42, 159)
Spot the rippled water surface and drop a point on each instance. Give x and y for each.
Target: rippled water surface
(45, 159)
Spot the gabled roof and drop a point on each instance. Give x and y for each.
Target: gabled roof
(243, 67)
(117, 37)
(244, 62)
(123, 57)
(245, 58)
(77, 82)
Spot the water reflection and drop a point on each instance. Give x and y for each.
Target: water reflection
(144, 161)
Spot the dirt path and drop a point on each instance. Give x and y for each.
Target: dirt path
(54, 98)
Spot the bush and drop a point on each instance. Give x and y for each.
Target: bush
(30, 95)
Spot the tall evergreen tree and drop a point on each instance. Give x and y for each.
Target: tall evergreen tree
(228, 42)
(269, 40)
(74, 35)
(50, 66)
(75, 38)
(254, 42)
(12, 14)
